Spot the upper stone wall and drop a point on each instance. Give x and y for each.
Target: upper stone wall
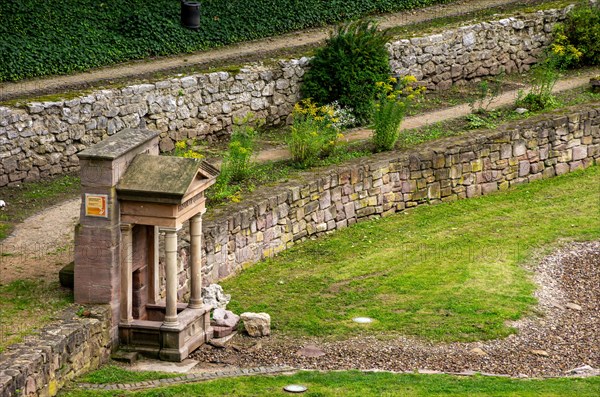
(488, 48)
(42, 139)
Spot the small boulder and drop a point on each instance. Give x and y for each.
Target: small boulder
(479, 351)
(214, 296)
(573, 306)
(521, 110)
(225, 318)
(257, 324)
(541, 353)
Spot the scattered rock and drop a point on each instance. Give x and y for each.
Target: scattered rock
(310, 351)
(428, 371)
(521, 110)
(584, 370)
(257, 324)
(214, 296)
(222, 342)
(541, 353)
(573, 306)
(225, 318)
(480, 352)
(221, 331)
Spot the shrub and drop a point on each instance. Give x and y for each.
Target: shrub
(577, 40)
(42, 37)
(314, 133)
(391, 106)
(347, 68)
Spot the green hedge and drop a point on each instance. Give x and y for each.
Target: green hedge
(43, 37)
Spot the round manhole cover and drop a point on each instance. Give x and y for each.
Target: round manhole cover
(295, 388)
(362, 320)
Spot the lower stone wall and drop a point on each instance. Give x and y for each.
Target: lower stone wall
(43, 363)
(319, 202)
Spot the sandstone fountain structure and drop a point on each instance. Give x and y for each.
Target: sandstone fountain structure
(130, 195)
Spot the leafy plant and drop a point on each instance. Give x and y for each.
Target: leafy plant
(390, 109)
(479, 121)
(347, 68)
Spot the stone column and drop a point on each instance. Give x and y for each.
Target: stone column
(126, 316)
(196, 261)
(171, 272)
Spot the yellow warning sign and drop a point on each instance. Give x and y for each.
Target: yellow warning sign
(96, 205)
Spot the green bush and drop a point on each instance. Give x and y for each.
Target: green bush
(577, 40)
(43, 37)
(347, 68)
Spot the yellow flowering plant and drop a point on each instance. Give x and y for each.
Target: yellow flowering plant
(183, 150)
(564, 53)
(315, 132)
(394, 96)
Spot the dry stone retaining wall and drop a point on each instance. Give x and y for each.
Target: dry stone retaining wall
(42, 139)
(42, 364)
(456, 168)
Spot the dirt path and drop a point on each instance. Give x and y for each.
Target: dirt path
(234, 54)
(41, 245)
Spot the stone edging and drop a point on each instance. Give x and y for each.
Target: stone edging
(189, 378)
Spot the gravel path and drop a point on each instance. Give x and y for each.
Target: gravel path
(565, 336)
(233, 54)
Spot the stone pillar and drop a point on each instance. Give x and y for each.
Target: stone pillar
(126, 316)
(171, 272)
(196, 261)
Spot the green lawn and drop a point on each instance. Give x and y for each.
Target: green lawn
(450, 272)
(27, 305)
(353, 383)
(118, 374)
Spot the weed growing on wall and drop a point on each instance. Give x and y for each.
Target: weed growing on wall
(486, 92)
(347, 68)
(540, 97)
(393, 99)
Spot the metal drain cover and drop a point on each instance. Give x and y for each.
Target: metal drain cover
(295, 388)
(362, 320)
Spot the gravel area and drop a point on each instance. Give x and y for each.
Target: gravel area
(563, 334)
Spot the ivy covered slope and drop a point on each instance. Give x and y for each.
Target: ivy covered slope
(43, 37)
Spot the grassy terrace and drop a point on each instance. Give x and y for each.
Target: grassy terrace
(356, 384)
(450, 272)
